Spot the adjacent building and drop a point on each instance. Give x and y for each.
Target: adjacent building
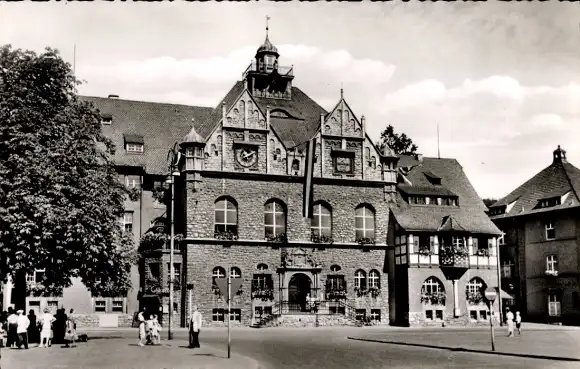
(540, 251)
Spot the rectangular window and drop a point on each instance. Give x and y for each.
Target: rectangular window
(176, 272)
(117, 306)
(458, 241)
(439, 314)
(336, 309)
(133, 181)
(218, 315)
(428, 314)
(100, 306)
(128, 221)
(375, 315)
(134, 147)
(360, 314)
(267, 310)
(550, 232)
(52, 306)
(507, 269)
(483, 314)
(236, 315)
(473, 314)
(552, 264)
(554, 302)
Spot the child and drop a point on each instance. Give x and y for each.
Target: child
(156, 329)
(519, 323)
(149, 329)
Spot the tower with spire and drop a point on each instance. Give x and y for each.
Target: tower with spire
(264, 77)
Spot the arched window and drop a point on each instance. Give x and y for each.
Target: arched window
(335, 268)
(360, 279)
(295, 166)
(433, 292)
(274, 218)
(226, 216)
(235, 272)
(262, 267)
(473, 291)
(218, 272)
(364, 224)
(374, 279)
(321, 223)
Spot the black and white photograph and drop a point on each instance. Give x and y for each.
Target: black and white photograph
(289, 184)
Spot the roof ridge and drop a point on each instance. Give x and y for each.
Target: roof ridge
(144, 102)
(572, 185)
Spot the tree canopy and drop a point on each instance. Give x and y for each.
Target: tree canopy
(399, 143)
(60, 196)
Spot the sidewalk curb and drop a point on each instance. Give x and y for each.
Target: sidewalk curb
(463, 349)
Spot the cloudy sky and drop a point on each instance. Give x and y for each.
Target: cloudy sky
(501, 79)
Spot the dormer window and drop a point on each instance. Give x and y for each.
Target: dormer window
(134, 143)
(497, 210)
(106, 119)
(433, 178)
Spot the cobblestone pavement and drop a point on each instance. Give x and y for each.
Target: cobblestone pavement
(123, 353)
(293, 348)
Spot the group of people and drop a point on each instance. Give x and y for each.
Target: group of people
(19, 330)
(510, 320)
(149, 328)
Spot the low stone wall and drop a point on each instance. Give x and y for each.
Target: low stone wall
(103, 320)
(417, 319)
(309, 321)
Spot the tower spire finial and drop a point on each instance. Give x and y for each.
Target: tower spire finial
(267, 28)
(341, 91)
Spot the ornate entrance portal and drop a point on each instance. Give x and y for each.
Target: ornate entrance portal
(299, 287)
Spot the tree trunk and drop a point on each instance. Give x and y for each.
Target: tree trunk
(20, 291)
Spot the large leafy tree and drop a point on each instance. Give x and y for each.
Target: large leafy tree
(399, 143)
(60, 197)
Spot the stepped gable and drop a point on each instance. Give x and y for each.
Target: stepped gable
(160, 125)
(559, 179)
(470, 213)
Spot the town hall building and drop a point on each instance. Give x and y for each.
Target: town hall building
(389, 239)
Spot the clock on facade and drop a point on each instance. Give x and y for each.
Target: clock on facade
(247, 156)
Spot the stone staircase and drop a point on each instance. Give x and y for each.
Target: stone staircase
(284, 318)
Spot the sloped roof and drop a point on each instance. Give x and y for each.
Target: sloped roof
(470, 214)
(555, 180)
(159, 124)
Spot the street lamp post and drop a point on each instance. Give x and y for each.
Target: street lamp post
(171, 250)
(498, 259)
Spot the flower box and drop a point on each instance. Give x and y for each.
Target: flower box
(552, 273)
(281, 238)
(365, 241)
(433, 298)
(225, 235)
(321, 239)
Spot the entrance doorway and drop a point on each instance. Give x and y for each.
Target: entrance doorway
(298, 288)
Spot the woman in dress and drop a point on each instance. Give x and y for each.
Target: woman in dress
(70, 332)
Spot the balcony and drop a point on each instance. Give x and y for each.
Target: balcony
(454, 257)
(267, 69)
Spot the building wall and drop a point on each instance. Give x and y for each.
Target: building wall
(416, 277)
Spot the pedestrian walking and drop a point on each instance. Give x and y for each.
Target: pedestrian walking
(156, 329)
(141, 321)
(2, 332)
(12, 321)
(33, 333)
(22, 324)
(194, 328)
(510, 322)
(70, 332)
(46, 321)
(519, 323)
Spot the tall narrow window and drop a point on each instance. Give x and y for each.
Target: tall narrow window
(554, 302)
(364, 222)
(552, 264)
(374, 279)
(360, 279)
(128, 221)
(321, 223)
(226, 216)
(274, 218)
(550, 232)
(218, 272)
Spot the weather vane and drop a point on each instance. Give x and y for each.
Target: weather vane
(267, 19)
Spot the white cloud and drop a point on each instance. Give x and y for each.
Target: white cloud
(500, 130)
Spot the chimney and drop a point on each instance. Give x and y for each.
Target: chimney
(364, 127)
(321, 120)
(268, 117)
(113, 96)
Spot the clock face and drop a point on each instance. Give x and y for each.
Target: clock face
(246, 156)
